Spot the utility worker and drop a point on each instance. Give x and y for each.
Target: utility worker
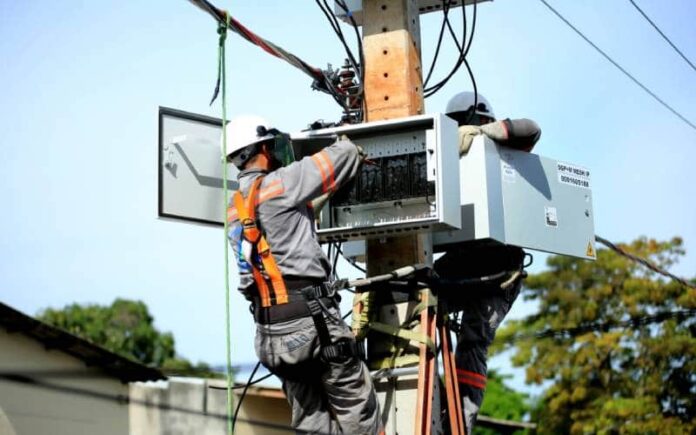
(489, 275)
(300, 336)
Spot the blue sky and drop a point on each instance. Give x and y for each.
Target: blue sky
(82, 81)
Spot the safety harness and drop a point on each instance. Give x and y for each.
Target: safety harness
(267, 272)
(275, 303)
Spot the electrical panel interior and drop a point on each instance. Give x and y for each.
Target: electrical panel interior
(411, 167)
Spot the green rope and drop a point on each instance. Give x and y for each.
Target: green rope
(222, 30)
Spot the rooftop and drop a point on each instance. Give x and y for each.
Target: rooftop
(92, 355)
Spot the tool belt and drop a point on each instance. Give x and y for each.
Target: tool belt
(295, 308)
(312, 301)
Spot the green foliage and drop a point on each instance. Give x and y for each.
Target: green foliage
(501, 401)
(126, 328)
(638, 379)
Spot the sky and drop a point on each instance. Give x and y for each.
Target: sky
(81, 83)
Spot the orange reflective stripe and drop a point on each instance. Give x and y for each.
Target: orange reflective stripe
(330, 169)
(472, 374)
(272, 190)
(320, 165)
(476, 380)
(231, 214)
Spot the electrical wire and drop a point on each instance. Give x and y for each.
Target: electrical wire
(358, 67)
(352, 262)
(463, 52)
(267, 46)
(662, 34)
(337, 248)
(631, 323)
(643, 262)
(619, 67)
(335, 25)
(322, 79)
(361, 91)
(244, 391)
(445, 12)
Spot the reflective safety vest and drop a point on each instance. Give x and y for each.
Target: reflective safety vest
(269, 280)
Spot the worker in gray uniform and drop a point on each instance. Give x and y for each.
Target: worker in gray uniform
(300, 336)
(485, 278)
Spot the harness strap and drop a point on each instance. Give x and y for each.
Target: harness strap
(246, 210)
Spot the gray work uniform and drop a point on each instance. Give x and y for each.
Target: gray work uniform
(326, 397)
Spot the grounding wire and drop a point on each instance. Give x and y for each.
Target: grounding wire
(662, 34)
(619, 67)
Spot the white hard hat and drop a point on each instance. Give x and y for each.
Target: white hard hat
(243, 131)
(464, 101)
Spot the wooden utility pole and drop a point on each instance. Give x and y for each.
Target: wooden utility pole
(394, 89)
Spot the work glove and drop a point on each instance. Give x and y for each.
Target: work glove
(466, 136)
(361, 153)
(319, 203)
(519, 134)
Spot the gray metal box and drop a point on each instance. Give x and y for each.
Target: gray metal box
(190, 168)
(525, 200)
(432, 139)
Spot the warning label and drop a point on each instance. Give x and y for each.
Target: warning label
(508, 171)
(551, 216)
(590, 252)
(573, 175)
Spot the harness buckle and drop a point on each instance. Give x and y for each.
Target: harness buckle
(250, 230)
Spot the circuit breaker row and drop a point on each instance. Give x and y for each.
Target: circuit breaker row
(387, 179)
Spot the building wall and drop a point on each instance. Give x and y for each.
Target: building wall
(190, 406)
(34, 410)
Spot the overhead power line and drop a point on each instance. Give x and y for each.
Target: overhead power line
(644, 262)
(630, 323)
(268, 46)
(662, 34)
(622, 69)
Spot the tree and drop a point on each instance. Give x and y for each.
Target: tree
(501, 401)
(126, 328)
(615, 344)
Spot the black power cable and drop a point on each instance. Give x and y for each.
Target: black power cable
(445, 12)
(241, 398)
(463, 52)
(619, 67)
(357, 66)
(361, 54)
(351, 262)
(662, 34)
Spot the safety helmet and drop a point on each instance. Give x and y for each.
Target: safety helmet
(243, 137)
(459, 107)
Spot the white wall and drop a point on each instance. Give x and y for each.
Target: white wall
(197, 409)
(31, 410)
